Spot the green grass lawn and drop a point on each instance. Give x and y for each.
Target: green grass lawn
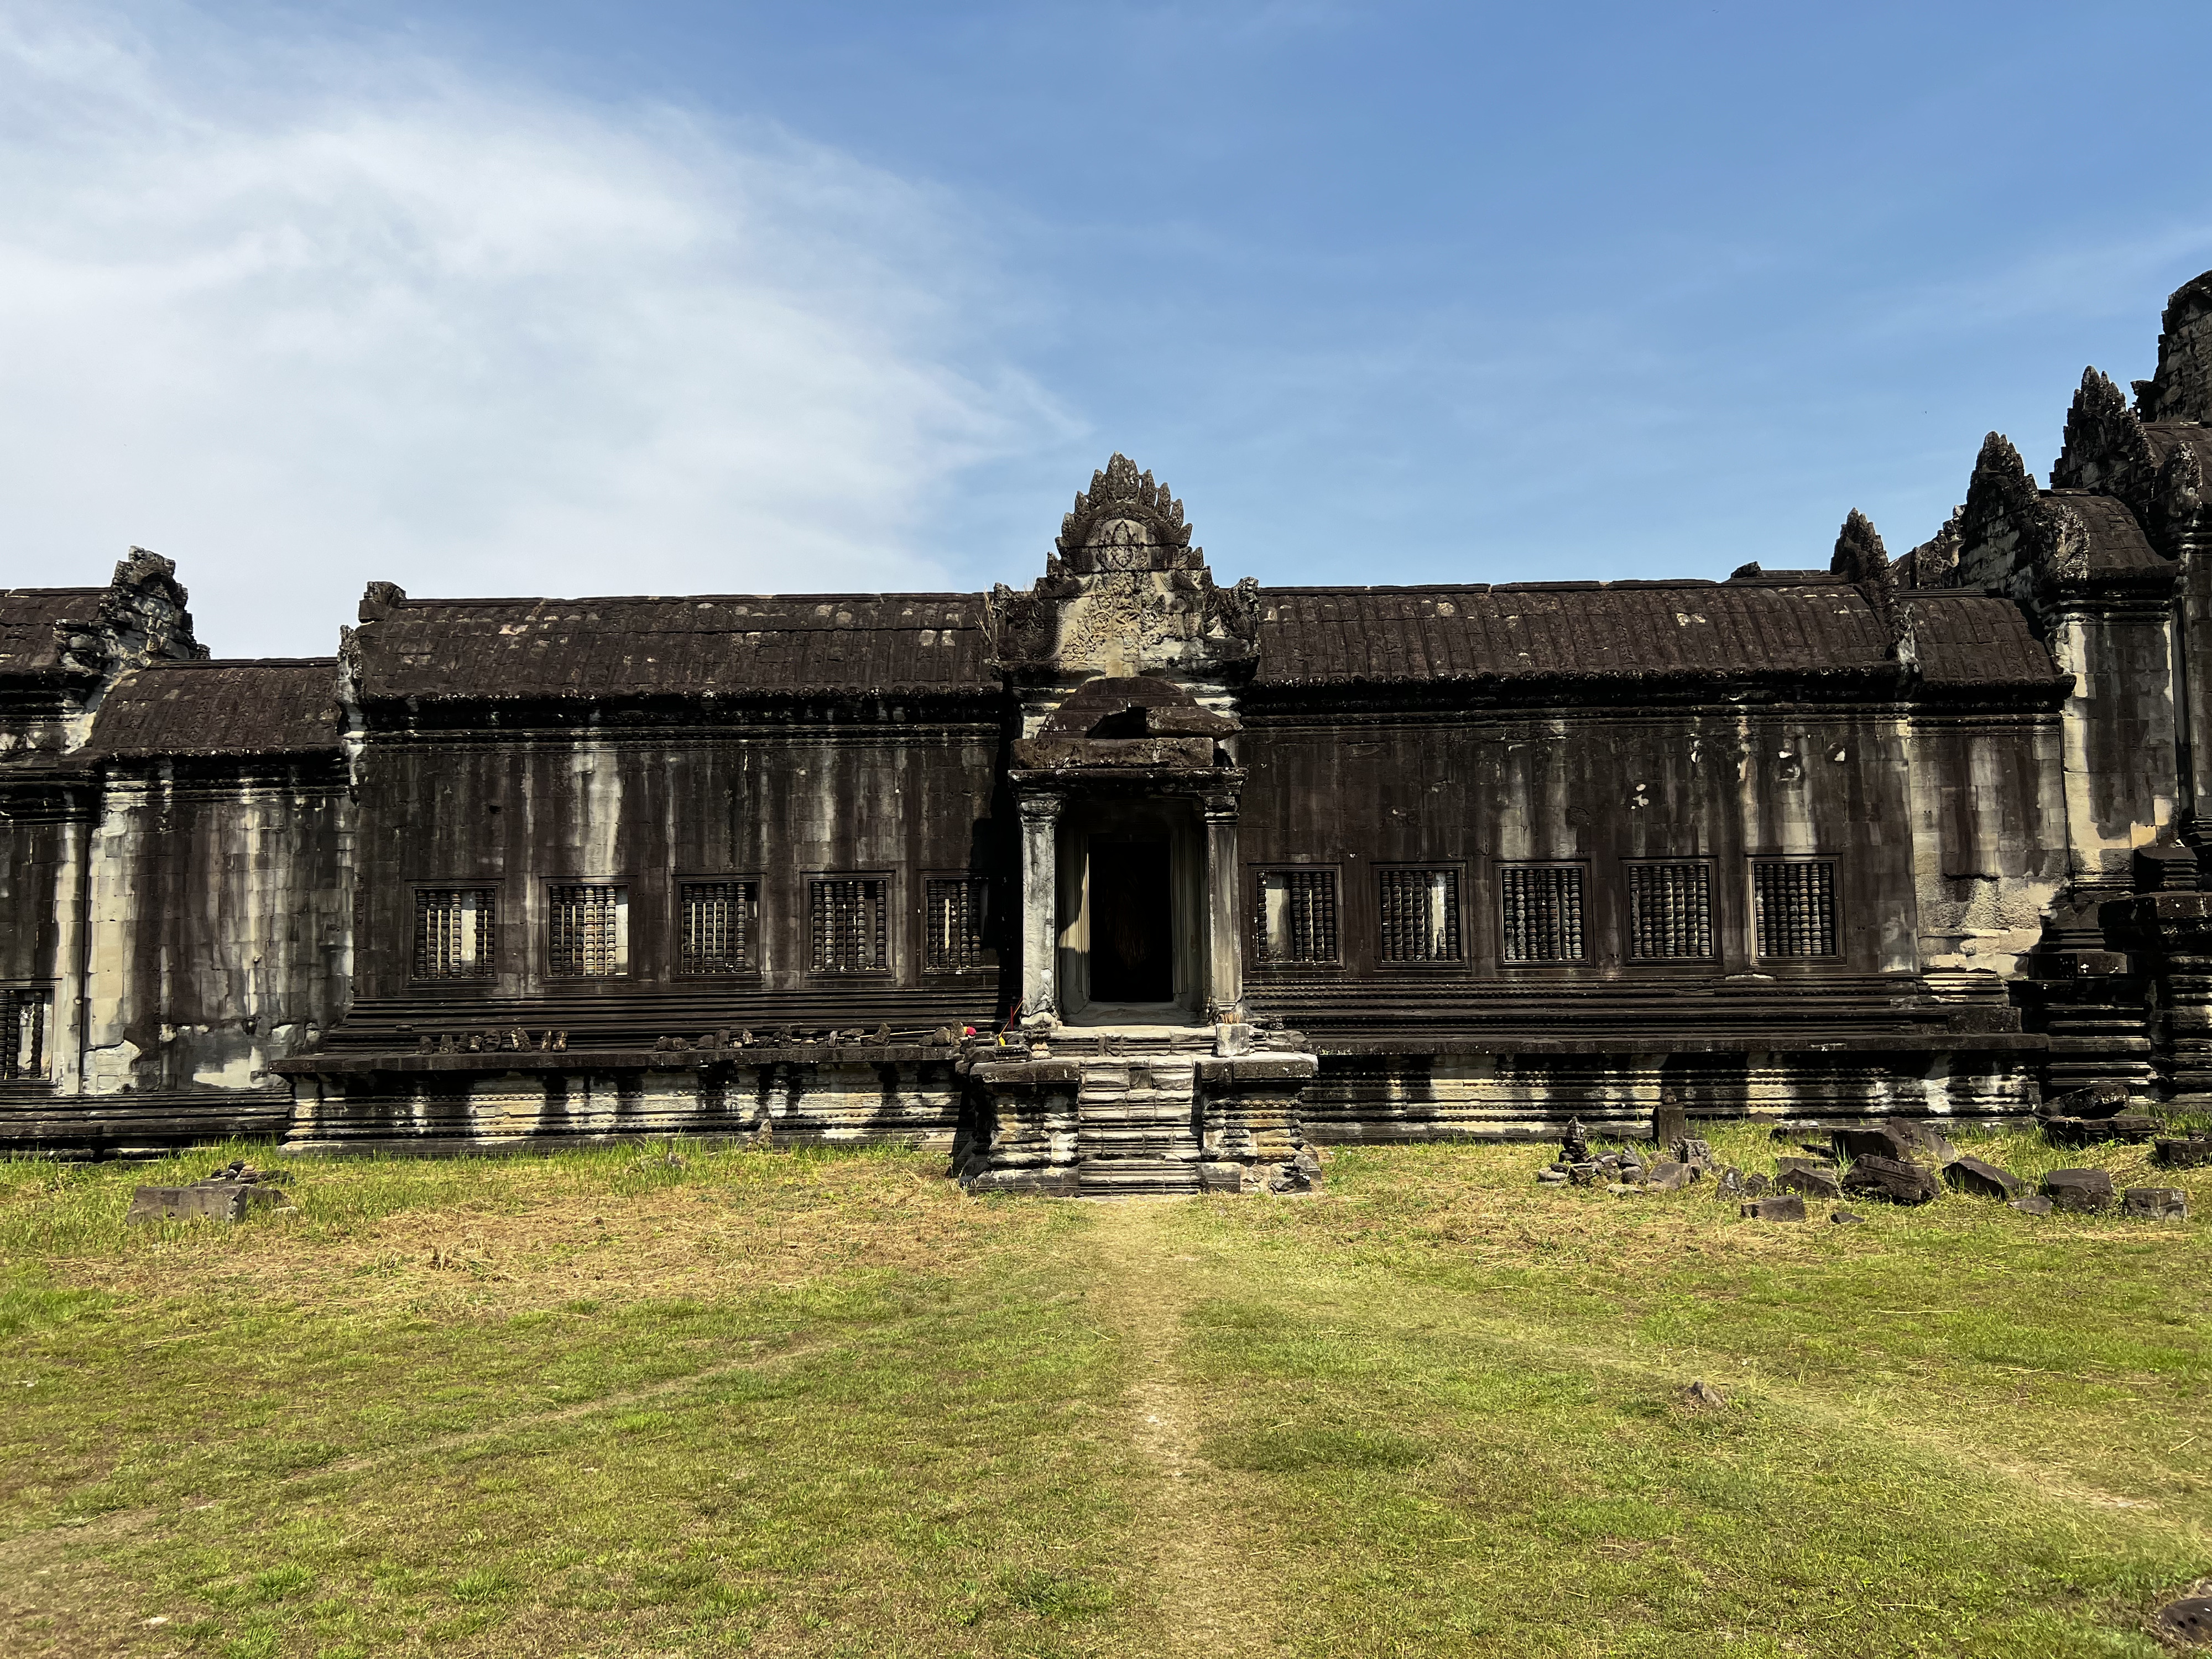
(793, 1402)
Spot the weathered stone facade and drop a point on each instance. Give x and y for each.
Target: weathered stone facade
(1212, 873)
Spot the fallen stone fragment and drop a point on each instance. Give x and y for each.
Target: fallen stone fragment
(2078, 1189)
(1703, 1396)
(1780, 1206)
(1810, 1180)
(1672, 1177)
(2155, 1203)
(1788, 1161)
(2194, 1153)
(2099, 1100)
(1552, 1177)
(213, 1201)
(1844, 1216)
(1929, 1141)
(1581, 1174)
(1755, 1183)
(1892, 1179)
(1698, 1154)
(1874, 1140)
(1900, 1138)
(1729, 1183)
(1971, 1175)
(2132, 1127)
(2032, 1204)
(2188, 1620)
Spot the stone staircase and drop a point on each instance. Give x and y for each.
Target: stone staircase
(1135, 1113)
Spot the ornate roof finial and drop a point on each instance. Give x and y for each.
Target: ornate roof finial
(1125, 521)
(1860, 556)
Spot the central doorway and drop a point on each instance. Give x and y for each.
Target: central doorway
(1132, 920)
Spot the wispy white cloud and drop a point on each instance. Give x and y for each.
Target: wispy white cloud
(300, 314)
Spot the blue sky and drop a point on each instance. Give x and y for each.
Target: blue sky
(585, 298)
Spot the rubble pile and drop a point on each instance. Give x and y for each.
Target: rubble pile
(1897, 1160)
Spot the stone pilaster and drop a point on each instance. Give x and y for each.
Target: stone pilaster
(1225, 959)
(2179, 924)
(1040, 815)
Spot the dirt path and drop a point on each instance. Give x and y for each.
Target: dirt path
(1142, 1293)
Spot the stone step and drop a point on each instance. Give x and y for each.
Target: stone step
(1135, 1177)
(1137, 1142)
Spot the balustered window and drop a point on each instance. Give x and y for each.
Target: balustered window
(453, 933)
(718, 924)
(954, 916)
(1793, 904)
(847, 921)
(590, 931)
(1670, 911)
(1420, 915)
(26, 1025)
(1295, 920)
(1542, 906)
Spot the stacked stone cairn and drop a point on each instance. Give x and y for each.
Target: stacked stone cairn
(1904, 1161)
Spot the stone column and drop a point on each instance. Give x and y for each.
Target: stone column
(1040, 812)
(1225, 958)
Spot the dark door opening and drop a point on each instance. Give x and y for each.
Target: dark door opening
(1132, 922)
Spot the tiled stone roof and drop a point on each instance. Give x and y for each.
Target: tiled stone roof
(35, 622)
(729, 645)
(1786, 625)
(288, 706)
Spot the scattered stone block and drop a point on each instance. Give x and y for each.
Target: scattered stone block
(1930, 1141)
(2188, 1621)
(2133, 1127)
(1971, 1175)
(1788, 1161)
(2032, 1204)
(2194, 1153)
(2097, 1101)
(1780, 1206)
(1729, 1183)
(1581, 1174)
(1844, 1217)
(1669, 1123)
(1892, 1179)
(224, 1202)
(1574, 1145)
(1672, 1177)
(1552, 1177)
(1703, 1396)
(1810, 1180)
(2080, 1190)
(1689, 1150)
(1903, 1139)
(1754, 1184)
(2155, 1203)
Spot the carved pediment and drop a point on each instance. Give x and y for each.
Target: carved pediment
(1125, 521)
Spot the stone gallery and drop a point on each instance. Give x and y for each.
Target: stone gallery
(1132, 881)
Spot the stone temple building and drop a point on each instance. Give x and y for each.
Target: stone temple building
(1214, 873)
